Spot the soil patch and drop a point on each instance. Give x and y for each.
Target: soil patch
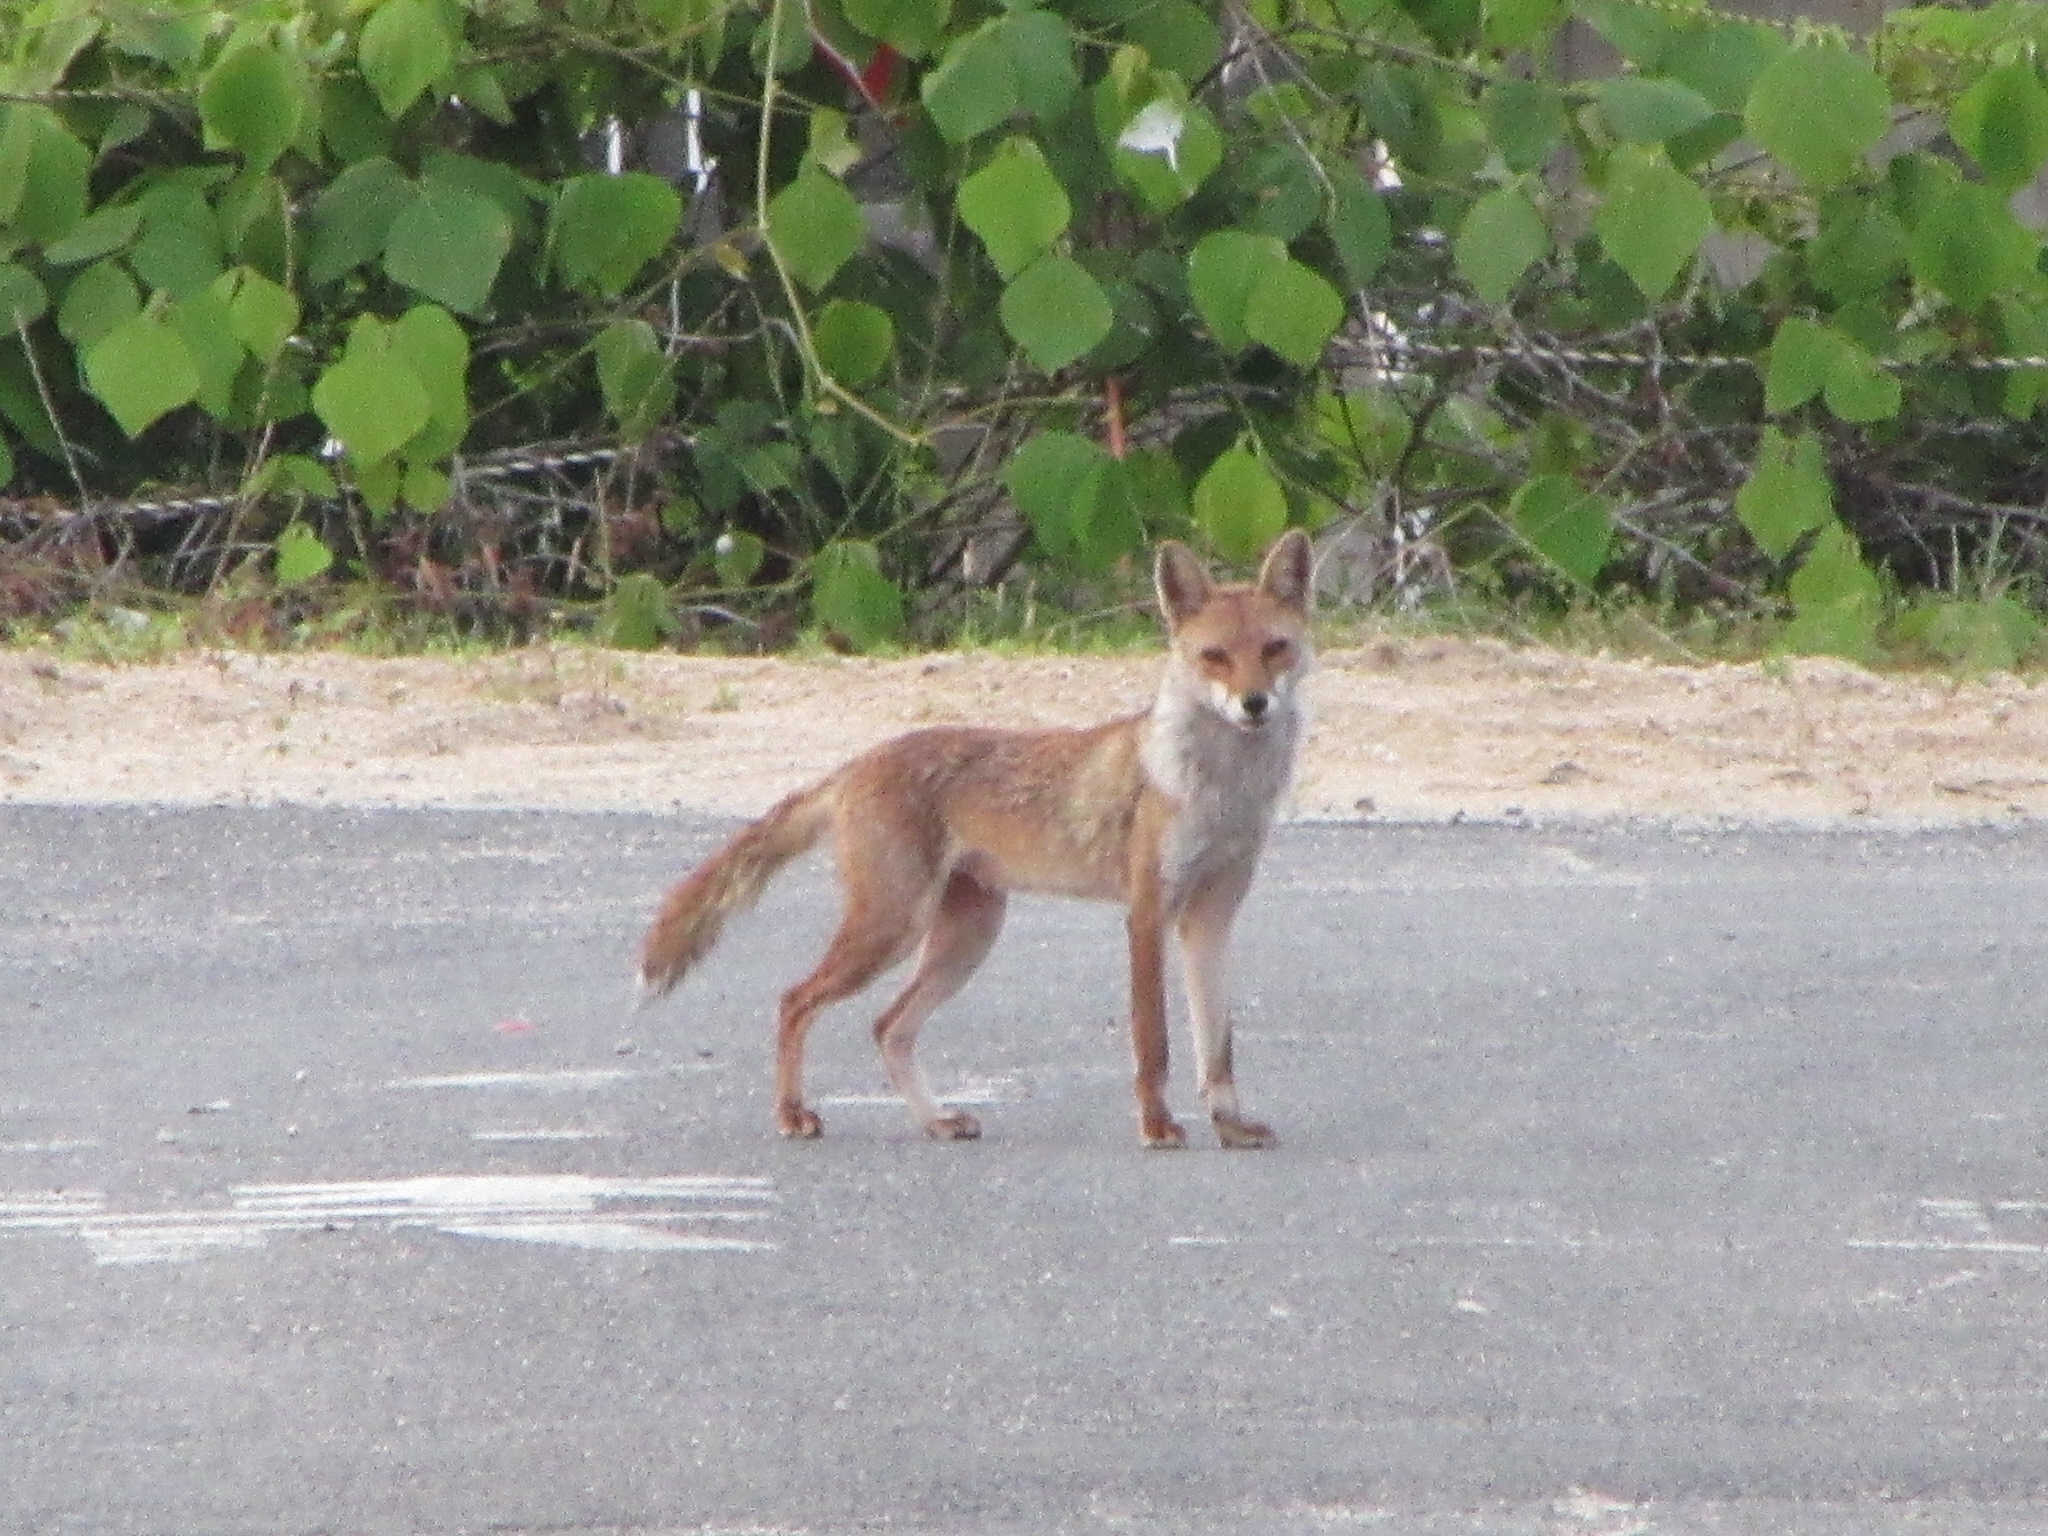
(1405, 729)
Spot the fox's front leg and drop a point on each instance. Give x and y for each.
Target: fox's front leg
(1147, 924)
(1204, 950)
(1148, 1029)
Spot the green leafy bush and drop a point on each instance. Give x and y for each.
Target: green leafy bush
(942, 286)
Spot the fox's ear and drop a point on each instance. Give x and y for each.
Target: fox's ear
(1289, 571)
(1183, 583)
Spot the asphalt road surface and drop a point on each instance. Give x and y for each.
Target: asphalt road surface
(1630, 1181)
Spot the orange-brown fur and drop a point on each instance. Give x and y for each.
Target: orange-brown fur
(1165, 812)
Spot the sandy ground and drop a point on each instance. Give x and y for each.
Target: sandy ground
(1405, 729)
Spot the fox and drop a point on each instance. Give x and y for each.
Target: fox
(1165, 811)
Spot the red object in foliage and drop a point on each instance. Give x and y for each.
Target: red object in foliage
(876, 80)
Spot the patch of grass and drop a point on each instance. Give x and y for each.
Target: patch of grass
(1631, 627)
(1109, 617)
(1964, 633)
(117, 635)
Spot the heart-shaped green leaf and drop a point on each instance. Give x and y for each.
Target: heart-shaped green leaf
(1055, 311)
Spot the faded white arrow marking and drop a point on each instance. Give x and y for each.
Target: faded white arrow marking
(686, 1213)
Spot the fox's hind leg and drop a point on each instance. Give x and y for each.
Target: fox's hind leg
(969, 917)
(890, 899)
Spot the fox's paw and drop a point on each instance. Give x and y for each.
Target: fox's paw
(1243, 1135)
(798, 1123)
(956, 1125)
(1163, 1135)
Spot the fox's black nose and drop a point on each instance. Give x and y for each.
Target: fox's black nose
(1255, 706)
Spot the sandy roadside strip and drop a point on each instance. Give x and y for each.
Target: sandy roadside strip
(1405, 730)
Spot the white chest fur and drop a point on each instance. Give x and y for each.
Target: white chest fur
(1226, 780)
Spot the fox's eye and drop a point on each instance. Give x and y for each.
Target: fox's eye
(1215, 656)
(1274, 650)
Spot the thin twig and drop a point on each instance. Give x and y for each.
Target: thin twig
(50, 412)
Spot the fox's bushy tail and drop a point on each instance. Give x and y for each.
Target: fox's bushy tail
(693, 913)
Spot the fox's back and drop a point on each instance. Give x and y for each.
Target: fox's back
(1029, 810)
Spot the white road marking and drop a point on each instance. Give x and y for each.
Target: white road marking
(549, 1082)
(71, 1144)
(166, 1244)
(1532, 1224)
(57, 1206)
(540, 1135)
(566, 1080)
(2015, 1228)
(978, 1093)
(644, 1215)
(1949, 1245)
(610, 1236)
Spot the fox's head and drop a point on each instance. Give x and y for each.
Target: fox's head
(1244, 644)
